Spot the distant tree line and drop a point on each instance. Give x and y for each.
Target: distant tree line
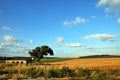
(91, 56)
(101, 56)
(13, 58)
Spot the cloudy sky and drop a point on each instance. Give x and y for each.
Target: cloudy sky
(71, 28)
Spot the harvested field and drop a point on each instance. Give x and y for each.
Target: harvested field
(101, 63)
(76, 69)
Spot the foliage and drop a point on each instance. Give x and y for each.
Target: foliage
(95, 75)
(39, 52)
(40, 73)
(30, 72)
(51, 73)
(65, 72)
(82, 72)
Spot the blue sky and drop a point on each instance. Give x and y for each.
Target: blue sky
(71, 28)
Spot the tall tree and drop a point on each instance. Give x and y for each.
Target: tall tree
(39, 52)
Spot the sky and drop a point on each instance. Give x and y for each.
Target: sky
(72, 28)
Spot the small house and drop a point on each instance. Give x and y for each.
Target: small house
(18, 61)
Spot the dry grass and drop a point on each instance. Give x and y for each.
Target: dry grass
(109, 66)
(99, 63)
(93, 63)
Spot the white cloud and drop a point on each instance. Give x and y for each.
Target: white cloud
(8, 45)
(12, 49)
(5, 44)
(59, 40)
(118, 20)
(93, 17)
(102, 37)
(31, 41)
(88, 47)
(4, 51)
(74, 45)
(108, 16)
(102, 2)
(0, 47)
(19, 47)
(10, 38)
(22, 47)
(78, 20)
(107, 9)
(113, 4)
(7, 28)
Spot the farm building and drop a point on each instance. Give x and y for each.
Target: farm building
(18, 61)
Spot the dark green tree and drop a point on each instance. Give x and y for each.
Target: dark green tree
(39, 52)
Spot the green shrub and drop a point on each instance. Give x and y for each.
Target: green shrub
(30, 72)
(65, 72)
(40, 73)
(51, 73)
(110, 73)
(96, 75)
(116, 72)
(80, 72)
(13, 71)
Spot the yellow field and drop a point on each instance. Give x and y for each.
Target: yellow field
(92, 63)
(95, 67)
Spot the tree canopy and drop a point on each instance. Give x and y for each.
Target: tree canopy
(39, 52)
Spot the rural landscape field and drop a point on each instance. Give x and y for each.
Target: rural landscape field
(59, 39)
(64, 69)
(95, 63)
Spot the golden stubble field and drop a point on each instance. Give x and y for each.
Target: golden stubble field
(94, 66)
(91, 63)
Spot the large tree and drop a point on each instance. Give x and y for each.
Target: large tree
(39, 52)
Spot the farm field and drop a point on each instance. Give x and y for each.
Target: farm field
(92, 63)
(64, 69)
(52, 60)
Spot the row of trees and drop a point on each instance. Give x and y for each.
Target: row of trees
(39, 52)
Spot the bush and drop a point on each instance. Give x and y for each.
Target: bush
(112, 72)
(30, 72)
(13, 71)
(40, 73)
(82, 72)
(51, 73)
(95, 75)
(65, 72)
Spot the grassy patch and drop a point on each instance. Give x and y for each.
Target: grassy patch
(2, 61)
(55, 60)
